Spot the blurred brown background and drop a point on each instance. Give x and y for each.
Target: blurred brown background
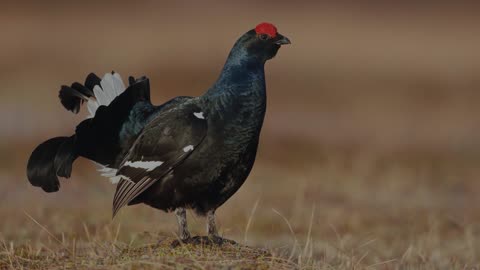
(373, 113)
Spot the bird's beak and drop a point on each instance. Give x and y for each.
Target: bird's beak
(282, 40)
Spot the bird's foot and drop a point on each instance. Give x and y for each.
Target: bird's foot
(215, 240)
(204, 240)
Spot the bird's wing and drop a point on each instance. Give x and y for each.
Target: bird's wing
(163, 144)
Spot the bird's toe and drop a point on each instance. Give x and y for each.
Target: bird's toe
(220, 241)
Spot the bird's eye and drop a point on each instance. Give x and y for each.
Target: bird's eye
(263, 36)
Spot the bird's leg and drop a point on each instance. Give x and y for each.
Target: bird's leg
(211, 226)
(213, 236)
(181, 214)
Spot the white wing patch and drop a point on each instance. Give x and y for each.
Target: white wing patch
(110, 87)
(199, 115)
(115, 179)
(188, 148)
(111, 174)
(147, 165)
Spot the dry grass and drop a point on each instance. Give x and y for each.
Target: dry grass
(100, 254)
(344, 212)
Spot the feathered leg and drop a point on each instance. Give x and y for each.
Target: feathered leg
(184, 235)
(183, 232)
(211, 225)
(212, 231)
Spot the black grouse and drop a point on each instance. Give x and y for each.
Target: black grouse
(191, 152)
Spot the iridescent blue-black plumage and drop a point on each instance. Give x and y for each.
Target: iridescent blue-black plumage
(190, 152)
(234, 108)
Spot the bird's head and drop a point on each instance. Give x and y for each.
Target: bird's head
(262, 42)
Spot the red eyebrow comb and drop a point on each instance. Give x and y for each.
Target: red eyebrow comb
(266, 28)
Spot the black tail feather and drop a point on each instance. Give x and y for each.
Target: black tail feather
(85, 92)
(132, 80)
(65, 157)
(41, 170)
(92, 80)
(72, 97)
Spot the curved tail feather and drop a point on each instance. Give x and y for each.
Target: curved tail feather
(65, 157)
(43, 171)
